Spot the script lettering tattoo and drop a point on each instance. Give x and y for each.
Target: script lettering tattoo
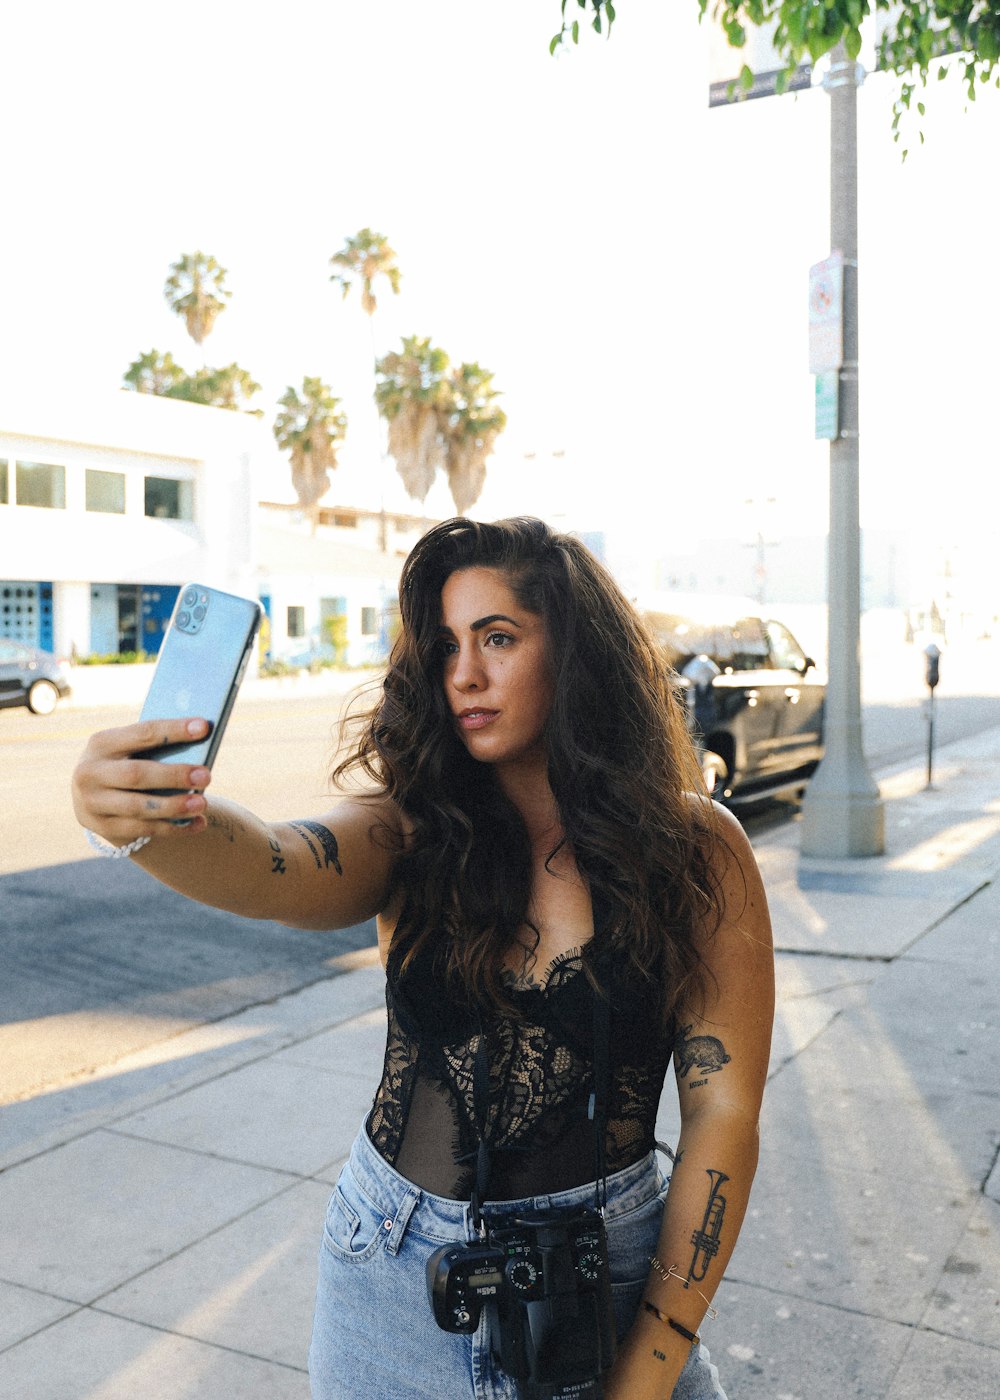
(706, 1239)
(327, 844)
(659, 1355)
(277, 859)
(698, 1052)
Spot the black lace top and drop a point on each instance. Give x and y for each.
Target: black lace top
(541, 1076)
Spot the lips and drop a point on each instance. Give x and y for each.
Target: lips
(476, 718)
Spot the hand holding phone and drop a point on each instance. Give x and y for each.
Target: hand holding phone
(202, 661)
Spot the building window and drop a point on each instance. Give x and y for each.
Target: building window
(296, 622)
(169, 499)
(369, 622)
(41, 484)
(106, 492)
(4, 488)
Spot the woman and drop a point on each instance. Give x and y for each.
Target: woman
(534, 847)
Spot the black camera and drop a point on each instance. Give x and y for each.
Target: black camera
(545, 1278)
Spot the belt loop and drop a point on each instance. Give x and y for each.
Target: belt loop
(404, 1210)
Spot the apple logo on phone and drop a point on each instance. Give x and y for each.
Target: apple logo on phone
(184, 698)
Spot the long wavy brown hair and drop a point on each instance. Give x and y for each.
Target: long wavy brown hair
(621, 766)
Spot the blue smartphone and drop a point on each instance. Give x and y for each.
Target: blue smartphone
(202, 661)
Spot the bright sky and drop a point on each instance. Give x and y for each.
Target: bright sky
(632, 266)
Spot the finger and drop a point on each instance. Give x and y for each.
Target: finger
(118, 789)
(147, 734)
(120, 831)
(157, 733)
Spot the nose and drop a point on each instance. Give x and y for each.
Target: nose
(467, 670)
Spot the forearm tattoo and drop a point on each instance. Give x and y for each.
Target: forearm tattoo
(322, 842)
(706, 1239)
(702, 1053)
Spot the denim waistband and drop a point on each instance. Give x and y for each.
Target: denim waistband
(441, 1218)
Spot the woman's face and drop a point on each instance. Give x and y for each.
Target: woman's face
(497, 667)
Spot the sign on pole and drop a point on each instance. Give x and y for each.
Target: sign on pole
(826, 314)
(828, 405)
(759, 55)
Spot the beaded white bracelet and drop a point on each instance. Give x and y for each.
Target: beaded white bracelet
(105, 848)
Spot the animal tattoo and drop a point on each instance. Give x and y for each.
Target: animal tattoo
(702, 1053)
(321, 841)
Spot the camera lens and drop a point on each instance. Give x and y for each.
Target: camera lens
(183, 618)
(190, 597)
(199, 613)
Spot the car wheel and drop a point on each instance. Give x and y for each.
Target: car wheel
(715, 773)
(42, 698)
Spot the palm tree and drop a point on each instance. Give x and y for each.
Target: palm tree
(365, 257)
(311, 429)
(410, 387)
(368, 256)
(228, 387)
(195, 290)
(438, 418)
(471, 422)
(154, 373)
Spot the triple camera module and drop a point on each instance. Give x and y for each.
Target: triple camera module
(191, 613)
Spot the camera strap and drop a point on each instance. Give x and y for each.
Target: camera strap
(597, 1111)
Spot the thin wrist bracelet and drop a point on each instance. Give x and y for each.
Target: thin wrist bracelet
(685, 1332)
(105, 848)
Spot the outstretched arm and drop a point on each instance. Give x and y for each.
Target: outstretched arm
(320, 873)
(720, 1062)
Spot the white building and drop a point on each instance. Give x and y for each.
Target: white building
(109, 505)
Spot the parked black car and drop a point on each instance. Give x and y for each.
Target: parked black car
(32, 677)
(754, 698)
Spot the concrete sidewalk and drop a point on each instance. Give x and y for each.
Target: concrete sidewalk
(161, 1219)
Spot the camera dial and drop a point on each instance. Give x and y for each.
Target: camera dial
(590, 1265)
(522, 1275)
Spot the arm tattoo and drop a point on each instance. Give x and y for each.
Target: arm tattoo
(702, 1053)
(706, 1239)
(277, 859)
(223, 824)
(315, 832)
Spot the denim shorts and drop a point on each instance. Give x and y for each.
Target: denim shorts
(374, 1333)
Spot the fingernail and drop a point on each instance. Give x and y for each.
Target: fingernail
(194, 803)
(200, 776)
(196, 727)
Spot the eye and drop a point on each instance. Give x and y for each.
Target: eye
(447, 647)
(498, 639)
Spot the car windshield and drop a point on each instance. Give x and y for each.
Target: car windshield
(733, 646)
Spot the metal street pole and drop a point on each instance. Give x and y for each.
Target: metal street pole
(842, 814)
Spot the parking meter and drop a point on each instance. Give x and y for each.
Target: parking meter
(933, 656)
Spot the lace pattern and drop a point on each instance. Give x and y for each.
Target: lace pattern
(541, 1070)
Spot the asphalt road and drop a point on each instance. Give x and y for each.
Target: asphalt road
(100, 960)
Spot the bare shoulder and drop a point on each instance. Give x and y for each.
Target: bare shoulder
(733, 870)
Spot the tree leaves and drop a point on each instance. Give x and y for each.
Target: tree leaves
(229, 387)
(601, 21)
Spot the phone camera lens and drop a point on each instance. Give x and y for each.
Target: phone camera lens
(183, 618)
(190, 598)
(199, 613)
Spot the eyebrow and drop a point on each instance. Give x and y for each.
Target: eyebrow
(482, 622)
